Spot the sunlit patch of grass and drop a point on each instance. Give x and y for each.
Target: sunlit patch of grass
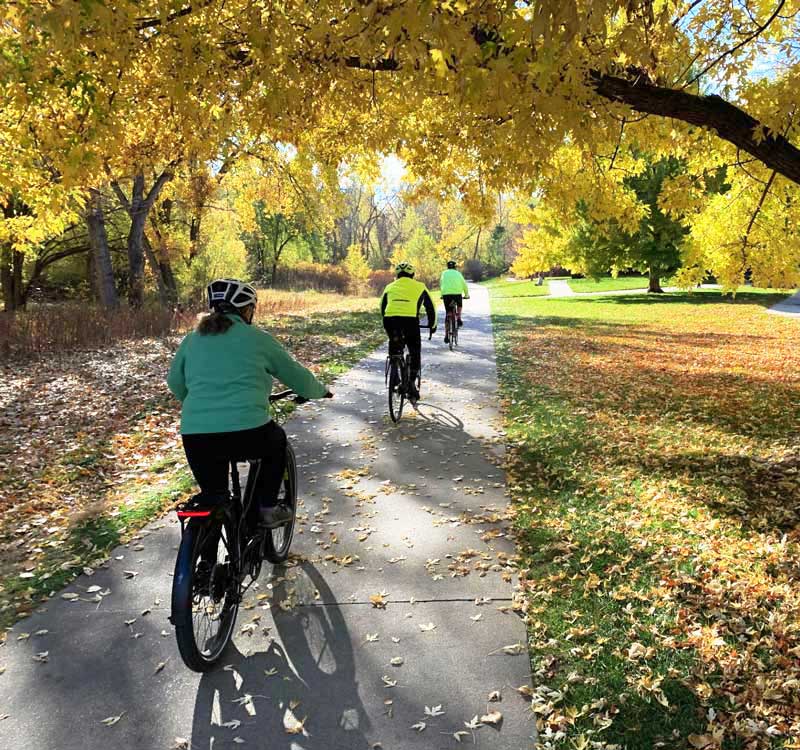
(655, 470)
(609, 283)
(507, 287)
(90, 539)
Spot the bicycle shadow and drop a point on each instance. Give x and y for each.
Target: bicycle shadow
(437, 415)
(302, 686)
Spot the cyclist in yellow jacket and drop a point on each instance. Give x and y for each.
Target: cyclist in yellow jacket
(454, 290)
(400, 308)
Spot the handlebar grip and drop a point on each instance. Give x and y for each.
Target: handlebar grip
(300, 400)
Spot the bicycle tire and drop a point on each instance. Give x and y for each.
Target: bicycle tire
(278, 541)
(196, 532)
(396, 394)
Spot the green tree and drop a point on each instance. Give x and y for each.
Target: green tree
(653, 248)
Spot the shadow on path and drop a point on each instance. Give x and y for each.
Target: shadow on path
(314, 683)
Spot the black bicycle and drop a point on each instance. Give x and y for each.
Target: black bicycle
(451, 325)
(222, 547)
(397, 375)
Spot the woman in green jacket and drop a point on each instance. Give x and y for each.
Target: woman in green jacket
(222, 375)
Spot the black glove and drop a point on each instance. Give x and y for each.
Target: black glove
(328, 394)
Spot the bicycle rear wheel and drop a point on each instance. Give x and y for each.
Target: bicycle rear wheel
(205, 590)
(396, 392)
(277, 541)
(450, 330)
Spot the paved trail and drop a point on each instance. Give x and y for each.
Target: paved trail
(789, 307)
(415, 511)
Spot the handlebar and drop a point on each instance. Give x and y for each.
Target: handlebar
(430, 330)
(289, 393)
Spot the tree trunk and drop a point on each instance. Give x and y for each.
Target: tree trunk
(91, 274)
(194, 239)
(161, 257)
(11, 262)
(138, 208)
(155, 267)
(477, 243)
(136, 243)
(654, 286)
(98, 242)
(169, 281)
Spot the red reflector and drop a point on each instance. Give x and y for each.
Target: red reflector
(193, 513)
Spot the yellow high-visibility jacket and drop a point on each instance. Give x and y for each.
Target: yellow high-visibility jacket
(404, 297)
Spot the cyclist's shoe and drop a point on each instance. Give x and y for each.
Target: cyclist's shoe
(447, 338)
(413, 394)
(275, 515)
(460, 323)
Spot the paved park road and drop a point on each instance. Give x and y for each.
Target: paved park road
(413, 513)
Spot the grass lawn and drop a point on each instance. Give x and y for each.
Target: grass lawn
(609, 284)
(502, 288)
(655, 471)
(90, 451)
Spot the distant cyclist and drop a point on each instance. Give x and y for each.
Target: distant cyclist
(222, 374)
(400, 308)
(454, 290)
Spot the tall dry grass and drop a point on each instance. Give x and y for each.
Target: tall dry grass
(47, 329)
(67, 327)
(313, 276)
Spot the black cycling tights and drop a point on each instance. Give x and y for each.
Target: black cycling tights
(209, 455)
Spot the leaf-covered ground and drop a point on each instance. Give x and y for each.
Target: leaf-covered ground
(655, 465)
(89, 443)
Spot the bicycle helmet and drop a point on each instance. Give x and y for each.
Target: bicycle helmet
(404, 267)
(230, 293)
(451, 264)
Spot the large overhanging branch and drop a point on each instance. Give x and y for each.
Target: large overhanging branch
(711, 112)
(727, 120)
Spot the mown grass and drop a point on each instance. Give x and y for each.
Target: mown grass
(609, 283)
(654, 468)
(504, 287)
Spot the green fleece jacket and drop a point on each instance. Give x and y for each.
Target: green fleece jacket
(224, 380)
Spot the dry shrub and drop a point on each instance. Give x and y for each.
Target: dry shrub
(474, 269)
(47, 329)
(379, 279)
(316, 276)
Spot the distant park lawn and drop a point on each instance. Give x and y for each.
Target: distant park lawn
(503, 287)
(609, 284)
(655, 474)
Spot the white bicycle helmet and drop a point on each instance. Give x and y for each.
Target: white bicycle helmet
(238, 294)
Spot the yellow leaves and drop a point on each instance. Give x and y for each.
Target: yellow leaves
(439, 62)
(380, 600)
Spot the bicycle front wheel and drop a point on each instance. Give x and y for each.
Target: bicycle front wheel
(396, 392)
(277, 541)
(205, 591)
